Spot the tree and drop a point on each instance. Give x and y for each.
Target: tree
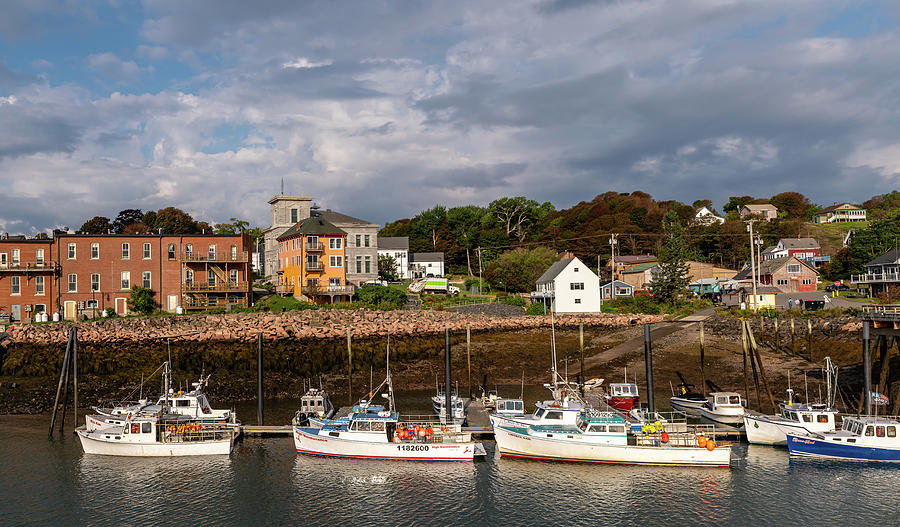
(671, 279)
(125, 218)
(381, 297)
(387, 268)
(736, 202)
(174, 221)
(136, 228)
(519, 269)
(519, 214)
(793, 205)
(235, 227)
(141, 300)
(95, 225)
(428, 222)
(465, 222)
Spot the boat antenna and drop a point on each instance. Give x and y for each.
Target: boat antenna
(142, 386)
(522, 393)
(553, 349)
(805, 387)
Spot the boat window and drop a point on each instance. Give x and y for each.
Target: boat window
(870, 430)
(879, 431)
(135, 428)
(378, 426)
(857, 428)
(125, 431)
(891, 431)
(364, 426)
(822, 418)
(807, 418)
(598, 428)
(616, 429)
(721, 400)
(145, 428)
(794, 416)
(182, 403)
(539, 413)
(554, 415)
(520, 405)
(581, 425)
(735, 399)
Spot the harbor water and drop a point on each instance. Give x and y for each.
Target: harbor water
(264, 482)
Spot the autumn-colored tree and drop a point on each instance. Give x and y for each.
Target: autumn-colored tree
(95, 225)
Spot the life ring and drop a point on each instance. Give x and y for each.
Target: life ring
(664, 437)
(701, 441)
(710, 445)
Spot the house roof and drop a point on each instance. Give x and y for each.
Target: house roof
(426, 257)
(619, 283)
(799, 243)
(760, 289)
(398, 243)
(836, 206)
(770, 249)
(337, 217)
(640, 268)
(761, 207)
(635, 258)
(313, 225)
(886, 258)
(553, 271)
(768, 267)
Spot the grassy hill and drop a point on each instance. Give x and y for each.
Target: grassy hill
(831, 235)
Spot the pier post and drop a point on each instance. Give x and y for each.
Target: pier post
(776, 332)
(65, 395)
(259, 379)
(754, 350)
(793, 338)
(62, 374)
(448, 408)
(867, 367)
(648, 362)
(744, 346)
(702, 363)
(349, 368)
(75, 370)
(469, 355)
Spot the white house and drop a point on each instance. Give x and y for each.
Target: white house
(425, 265)
(705, 216)
(398, 249)
(568, 286)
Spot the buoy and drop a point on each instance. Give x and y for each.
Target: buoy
(429, 431)
(421, 433)
(664, 437)
(710, 445)
(701, 441)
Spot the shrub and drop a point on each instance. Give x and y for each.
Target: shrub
(514, 301)
(377, 296)
(141, 300)
(536, 308)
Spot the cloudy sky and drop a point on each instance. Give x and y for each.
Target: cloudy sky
(381, 109)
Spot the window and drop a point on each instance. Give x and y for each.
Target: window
(15, 286)
(870, 431)
(234, 252)
(39, 257)
(3, 260)
(359, 264)
(367, 242)
(577, 300)
(71, 253)
(334, 281)
(39, 285)
(146, 251)
(335, 261)
(189, 249)
(807, 281)
(188, 276)
(145, 279)
(891, 431)
(294, 215)
(95, 251)
(574, 269)
(334, 243)
(807, 418)
(368, 264)
(15, 257)
(358, 240)
(598, 428)
(553, 415)
(212, 252)
(95, 282)
(793, 268)
(171, 251)
(126, 280)
(616, 429)
(233, 276)
(576, 286)
(40, 308)
(782, 282)
(126, 251)
(822, 418)
(879, 431)
(145, 427)
(211, 278)
(73, 283)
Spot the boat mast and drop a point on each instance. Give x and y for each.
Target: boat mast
(553, 351)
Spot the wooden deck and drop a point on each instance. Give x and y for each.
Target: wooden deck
(265, 430)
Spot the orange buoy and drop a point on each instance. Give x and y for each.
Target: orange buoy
(710, 445)
(664, 437)
(701, 441)
(429, 431)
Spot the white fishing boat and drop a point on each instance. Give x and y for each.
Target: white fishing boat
(314, 406)
(861, 438)
(724, 409)
(685, 399)
(509, 407)
(159, 436)
(438, 403)
(602, 438)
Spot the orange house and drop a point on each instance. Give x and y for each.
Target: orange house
(311, 262)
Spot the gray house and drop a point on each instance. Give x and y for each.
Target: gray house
(622, 289)
(881, 273)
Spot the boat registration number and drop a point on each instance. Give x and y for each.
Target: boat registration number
(413, 448)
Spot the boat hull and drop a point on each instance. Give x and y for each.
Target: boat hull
(689, 407)
(808, 446)
(95, 443)
(308, 441)
(624, 403)
(517, 445)
(761, 430)
(732, 420)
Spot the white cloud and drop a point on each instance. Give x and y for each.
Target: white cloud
(111, 66)
(304, 63)
(152, 52)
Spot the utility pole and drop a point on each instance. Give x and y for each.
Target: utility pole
(752, 261)
(759, 260)
(612, 264)
(479, 272)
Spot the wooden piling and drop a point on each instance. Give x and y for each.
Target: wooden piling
(75, 370)
(469, 355)
(744, 352)
(581, 348)
(62, 375)
(885, 344)
(702, 363)
(762, 371)
(349, 368)
(753, 369)
(777, 340)
(259, 379)
(809, 354)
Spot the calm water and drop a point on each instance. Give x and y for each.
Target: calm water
(265, 482)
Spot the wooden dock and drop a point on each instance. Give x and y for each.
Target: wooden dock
(265, 430)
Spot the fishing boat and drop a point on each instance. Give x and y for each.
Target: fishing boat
(368, 434)
(509, 407)
(861, 438)
(601, 437)
(622, 396)
(438, 405)
(314, 404)
(723, 408)
(161, 435)
(686, 399)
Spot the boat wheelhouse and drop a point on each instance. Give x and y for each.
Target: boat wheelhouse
(793, 418)
(686, 400)
(862, 438)
(723, 408)
(438, 405)
(509, 407)
(314, 404)
(623, 396)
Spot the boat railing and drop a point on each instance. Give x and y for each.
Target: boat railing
(691, 437)
(185, 433)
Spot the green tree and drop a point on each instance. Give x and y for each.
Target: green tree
(518, 270)
(235, 227)
(465, 223)
(95, 225)
(427, 223)
(142, 300)
(736, 202)
(671, 279)
(125, 218)
(519, 215)
(174, 221)
(381, 297)
(792, 205)
(387, 268)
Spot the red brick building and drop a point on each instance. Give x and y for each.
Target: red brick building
(789, 274)
(84, 274)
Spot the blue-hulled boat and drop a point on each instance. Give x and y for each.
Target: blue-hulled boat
(862, 438)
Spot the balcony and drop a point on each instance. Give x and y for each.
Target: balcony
(225, 257)
(29, 267)
(221, 286)
(314, 247)
(284, 290)
(315, 267)
(875, 278)
(328, 290)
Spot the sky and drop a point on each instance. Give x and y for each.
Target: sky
(380, 109)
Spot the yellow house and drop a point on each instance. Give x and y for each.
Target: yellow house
(311, 262)
(764, 299)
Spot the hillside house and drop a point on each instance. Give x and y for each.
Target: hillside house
(704, 216)
(766, 211)
(881, 273)
(398, 249)
(788, 274)
(840, 213)
(568, 286)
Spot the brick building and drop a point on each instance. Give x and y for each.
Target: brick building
(83, 274)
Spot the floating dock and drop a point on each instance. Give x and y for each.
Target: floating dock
(265, 430)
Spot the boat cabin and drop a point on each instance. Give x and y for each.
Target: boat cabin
(809, 414)
(606, 429)
(623, 390)
(510, 407)
(872, 429)
(725, 399)
(315, 403)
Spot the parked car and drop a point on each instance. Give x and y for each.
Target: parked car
(837, 287)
